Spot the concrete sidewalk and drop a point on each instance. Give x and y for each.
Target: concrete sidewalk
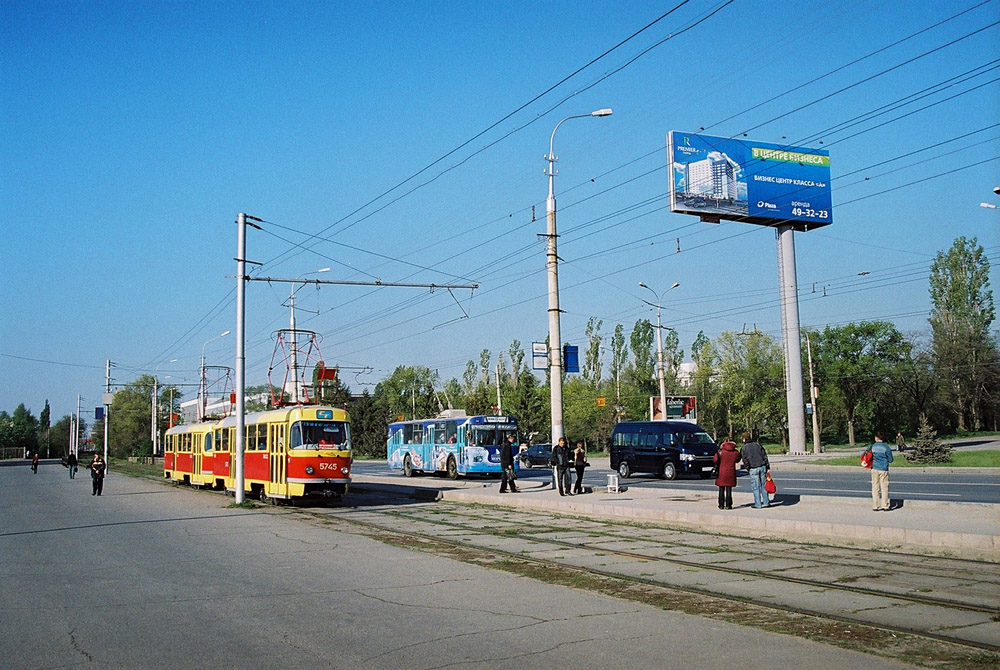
(968, 530)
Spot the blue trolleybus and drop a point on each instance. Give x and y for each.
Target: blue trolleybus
(454, 445)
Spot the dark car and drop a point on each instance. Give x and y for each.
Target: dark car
(538, 454)
(665, 448)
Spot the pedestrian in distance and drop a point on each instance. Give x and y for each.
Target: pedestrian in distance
(755, 461)
(881, 458)
(34, 463)
(726, 458)
(71, 463)
(580, 463)
(560, 466)
(900, 442)
(98, 468)
(507, 465)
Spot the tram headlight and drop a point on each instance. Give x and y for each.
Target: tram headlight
(344, 470)
(310, 470)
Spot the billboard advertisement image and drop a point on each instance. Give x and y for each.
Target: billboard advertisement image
(753, 182)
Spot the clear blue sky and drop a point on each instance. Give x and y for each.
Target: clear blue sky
(133, 133)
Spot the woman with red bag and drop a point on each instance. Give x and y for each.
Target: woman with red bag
(725, 459)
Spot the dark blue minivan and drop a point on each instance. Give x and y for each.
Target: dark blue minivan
(665, 448)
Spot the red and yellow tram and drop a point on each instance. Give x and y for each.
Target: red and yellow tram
(289, 453)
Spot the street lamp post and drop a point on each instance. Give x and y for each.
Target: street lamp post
(552, 263)
(659, 343)
(294, 343)
(202, 404)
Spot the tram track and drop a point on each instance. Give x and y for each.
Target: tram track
(846, 587)
(545, 542)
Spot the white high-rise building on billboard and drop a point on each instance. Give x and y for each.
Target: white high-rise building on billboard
(713, 177)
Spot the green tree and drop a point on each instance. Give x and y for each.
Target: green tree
(592, 367)
(368, 427)
(22, 431)
(861, 361)
(44, 420)
(583, 420)
(129, 431)
(960, 321)
(60, 431)
(619, 361)
(927, 448)
(751, 390)
(640, 373)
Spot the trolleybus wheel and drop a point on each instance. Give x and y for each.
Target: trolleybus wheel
(452, 468)
(407, 466)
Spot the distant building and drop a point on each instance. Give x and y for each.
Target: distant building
(714, 177)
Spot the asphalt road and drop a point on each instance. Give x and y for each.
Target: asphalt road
(948, 484)
(149, 575)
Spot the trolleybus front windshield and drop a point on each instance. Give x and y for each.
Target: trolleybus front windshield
(320, 434)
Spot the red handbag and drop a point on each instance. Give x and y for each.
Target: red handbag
(866, 459)
(769, 484)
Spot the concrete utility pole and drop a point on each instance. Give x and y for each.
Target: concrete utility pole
(241, 252)
(813, 396)
(791, 339)
(659, 344)
(107, 406)
(552, 266)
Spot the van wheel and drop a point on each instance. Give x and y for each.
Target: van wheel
(624, 470)
(452, 469)
(669, 470)
(407, 466)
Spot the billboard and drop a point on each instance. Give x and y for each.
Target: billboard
(754, 182)
(679, 408)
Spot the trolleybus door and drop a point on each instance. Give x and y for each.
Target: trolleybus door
(276, 451)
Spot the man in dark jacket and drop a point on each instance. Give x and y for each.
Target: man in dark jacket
(755, 461)
(560, 463)
(507, 464)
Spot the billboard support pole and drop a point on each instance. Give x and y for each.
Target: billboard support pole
(791, 339)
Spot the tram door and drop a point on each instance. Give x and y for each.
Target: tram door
(276, 457)
(197, 451)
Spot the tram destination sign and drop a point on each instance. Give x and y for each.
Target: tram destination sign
(753, 182)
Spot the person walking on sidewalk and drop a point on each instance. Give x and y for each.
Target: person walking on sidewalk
(755, 461)
(507, 465)
(580, 463)
(560, 466)
(71, 463)
(900, 442)
(34, 463)
(97, 470)
(881, 458)
(726, 458)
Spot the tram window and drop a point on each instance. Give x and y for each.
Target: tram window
(250, 439)
(323, 434)
(208, 442)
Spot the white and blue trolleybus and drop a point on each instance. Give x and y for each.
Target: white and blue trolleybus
(454, 445)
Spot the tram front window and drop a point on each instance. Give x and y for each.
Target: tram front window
(321, 435)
